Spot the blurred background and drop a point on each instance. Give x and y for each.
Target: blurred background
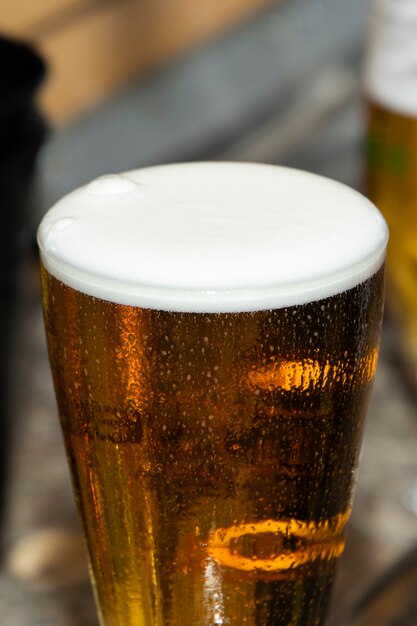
(111, 85)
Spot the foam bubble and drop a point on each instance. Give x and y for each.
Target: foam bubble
(213, 237)
(110, 185)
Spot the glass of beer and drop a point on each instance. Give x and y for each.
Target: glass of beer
(213, 333)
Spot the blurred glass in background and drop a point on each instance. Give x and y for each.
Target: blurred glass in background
(391, 89)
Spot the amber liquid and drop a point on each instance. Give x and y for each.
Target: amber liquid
(213, 455)
(392, 186)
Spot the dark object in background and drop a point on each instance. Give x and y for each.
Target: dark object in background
(22, 131)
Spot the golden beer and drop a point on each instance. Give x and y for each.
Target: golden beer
(392, 185)
(213, 453)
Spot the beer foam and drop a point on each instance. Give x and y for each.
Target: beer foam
(391, 60)
(213, 237)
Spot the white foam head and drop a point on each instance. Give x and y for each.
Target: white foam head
(213, 237)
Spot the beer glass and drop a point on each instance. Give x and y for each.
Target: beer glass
(213, 334)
